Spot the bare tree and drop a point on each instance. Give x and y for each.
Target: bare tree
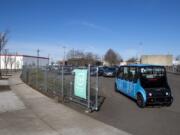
(70, 54)
(132, 60)
(3, 42)
(89, 55)
(78, 57)
(112, 57)
(6, 59)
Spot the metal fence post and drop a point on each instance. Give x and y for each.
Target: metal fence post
(28, 75)
(25, 75)
(45, 80)
(37, 77)
(62, 83)
(89, 81)
(71, 89)
(97, 88)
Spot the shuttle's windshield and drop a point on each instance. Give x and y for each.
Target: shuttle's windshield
(153, 77)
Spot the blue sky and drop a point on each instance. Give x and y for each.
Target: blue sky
(130, 27)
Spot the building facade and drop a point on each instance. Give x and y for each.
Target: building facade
(165, 60)
(18, 61)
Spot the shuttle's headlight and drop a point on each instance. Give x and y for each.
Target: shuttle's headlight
(150, 94)
(167, 93)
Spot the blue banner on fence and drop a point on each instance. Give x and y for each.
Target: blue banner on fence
(80, 83)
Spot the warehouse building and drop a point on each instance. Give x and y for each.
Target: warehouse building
(18, 61)
(165, 60)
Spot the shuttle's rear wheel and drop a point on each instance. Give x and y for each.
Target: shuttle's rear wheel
(140, 100)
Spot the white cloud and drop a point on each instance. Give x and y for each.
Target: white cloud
(94, 26)
(90, 25)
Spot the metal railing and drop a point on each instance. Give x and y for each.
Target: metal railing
(59, 82)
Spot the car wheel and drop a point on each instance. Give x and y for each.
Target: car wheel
(140, 100)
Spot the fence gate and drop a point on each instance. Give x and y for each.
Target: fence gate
(83, 88)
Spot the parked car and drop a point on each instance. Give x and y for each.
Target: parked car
(109, 72)
(100, 71)
(93, 71)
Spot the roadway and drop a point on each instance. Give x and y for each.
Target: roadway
(123, 113)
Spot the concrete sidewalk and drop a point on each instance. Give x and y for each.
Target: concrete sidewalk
(43, 116)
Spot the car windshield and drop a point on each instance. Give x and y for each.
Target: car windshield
(93, 69)
(110, 69)
(153, 77)
(101, 68)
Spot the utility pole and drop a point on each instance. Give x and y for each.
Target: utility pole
(73, 53)
(38, 58)
(64, 47)
(48, 59)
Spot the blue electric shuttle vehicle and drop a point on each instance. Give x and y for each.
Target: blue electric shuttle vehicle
(146, 84)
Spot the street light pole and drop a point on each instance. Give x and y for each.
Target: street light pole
(64, 47)
(38, 58)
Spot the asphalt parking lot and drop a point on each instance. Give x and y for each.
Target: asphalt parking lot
(123, 113)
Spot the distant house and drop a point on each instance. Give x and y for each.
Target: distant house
(18, 61)
(105, 63)
(123, 63)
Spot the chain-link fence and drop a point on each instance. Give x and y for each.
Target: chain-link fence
(59, 82)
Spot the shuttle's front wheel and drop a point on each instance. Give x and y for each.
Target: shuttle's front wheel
(140, 100)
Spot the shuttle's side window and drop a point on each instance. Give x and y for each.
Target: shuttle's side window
(120, 73)
(125, 74)
(132, 74)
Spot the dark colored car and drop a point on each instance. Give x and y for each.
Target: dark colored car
(100, 71)
(109, 72)
(93, 71)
